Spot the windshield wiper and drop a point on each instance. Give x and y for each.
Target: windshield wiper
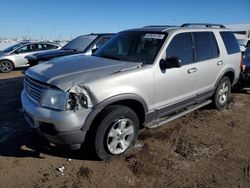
(74, 50)
(111, 57)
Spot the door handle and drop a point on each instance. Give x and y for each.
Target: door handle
(220, 63)
(192, 70)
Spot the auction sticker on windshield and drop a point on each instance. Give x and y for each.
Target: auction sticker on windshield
(154, 36)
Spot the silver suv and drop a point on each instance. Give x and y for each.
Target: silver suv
(141, 78)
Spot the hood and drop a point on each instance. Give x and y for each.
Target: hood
(44, 56)
(72, 70)
(2, 53)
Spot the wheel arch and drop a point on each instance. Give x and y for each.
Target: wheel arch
(133, 101)
(230, 73)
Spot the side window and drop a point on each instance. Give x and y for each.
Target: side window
(49, 46)
(40, 47)
(181, 46)
(24, 49)
(230, 42)
(215, 47)
(102, 41)
(32, 47)
(27, 48)
(52, 46)
(205, 46)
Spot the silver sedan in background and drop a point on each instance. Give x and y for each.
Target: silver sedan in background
(13, 56)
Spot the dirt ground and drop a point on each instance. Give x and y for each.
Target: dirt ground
(206, 148)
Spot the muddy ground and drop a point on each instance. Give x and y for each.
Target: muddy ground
(207, 148)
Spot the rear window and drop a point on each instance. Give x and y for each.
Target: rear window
(205, 45)
(230, 42)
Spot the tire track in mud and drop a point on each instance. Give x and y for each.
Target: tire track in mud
(245, 180)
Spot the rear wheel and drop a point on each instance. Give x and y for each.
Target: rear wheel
(222, 93)
(6, 66)
(117, 131)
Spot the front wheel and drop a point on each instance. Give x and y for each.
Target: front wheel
(222, 93)
(6, 66)
(117, 131)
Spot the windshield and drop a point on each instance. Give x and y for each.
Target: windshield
(80, 43)
(13, 47)
(133, 46)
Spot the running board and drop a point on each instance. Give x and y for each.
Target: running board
(246, 89)
(169, 118)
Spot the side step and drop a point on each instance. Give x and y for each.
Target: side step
(169, 118)
(246, 89)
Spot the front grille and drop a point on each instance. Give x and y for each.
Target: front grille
(34, 89)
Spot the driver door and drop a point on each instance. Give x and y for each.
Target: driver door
(175, 87)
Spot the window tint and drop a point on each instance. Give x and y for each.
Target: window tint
(11, 48)
(215, 47)
(32, 48)
(140, 47)
(205, 46)
(26, 49)
(22, 50)
(50, 46)
(181, 47)
(230, 42)
(40, 47)
(80, 43)
(102, 41)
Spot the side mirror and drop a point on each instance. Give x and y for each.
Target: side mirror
(16, 52)
(94, 50)
(170, 62)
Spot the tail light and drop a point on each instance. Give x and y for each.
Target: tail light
(242, 65)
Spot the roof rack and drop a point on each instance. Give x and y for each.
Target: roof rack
(161, 26)
(203, 24)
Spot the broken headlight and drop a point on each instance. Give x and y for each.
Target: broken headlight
(78, 98)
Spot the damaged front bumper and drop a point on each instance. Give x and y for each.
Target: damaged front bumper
(58, 127)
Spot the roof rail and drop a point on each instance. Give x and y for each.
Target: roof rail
(203, 24)
(161, 26)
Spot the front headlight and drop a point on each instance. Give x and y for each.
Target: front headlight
(56, 99)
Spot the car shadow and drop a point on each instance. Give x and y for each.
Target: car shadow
(17, 139)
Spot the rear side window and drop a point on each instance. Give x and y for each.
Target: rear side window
(205, 45)
(49, 46)
(181, 46)
(230, 42)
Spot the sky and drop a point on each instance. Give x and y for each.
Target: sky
(66, 19)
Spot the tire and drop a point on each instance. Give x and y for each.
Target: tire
(116, 132)
(6, 66)
(222, 93)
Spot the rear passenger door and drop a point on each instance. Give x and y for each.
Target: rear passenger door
(209, 62)
(175, 87)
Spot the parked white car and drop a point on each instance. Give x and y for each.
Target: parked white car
(13, 56)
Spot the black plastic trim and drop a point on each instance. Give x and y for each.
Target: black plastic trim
(98, 108)
(184, 104)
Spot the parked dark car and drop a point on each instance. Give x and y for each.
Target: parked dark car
(84, 44)
(245, 70)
